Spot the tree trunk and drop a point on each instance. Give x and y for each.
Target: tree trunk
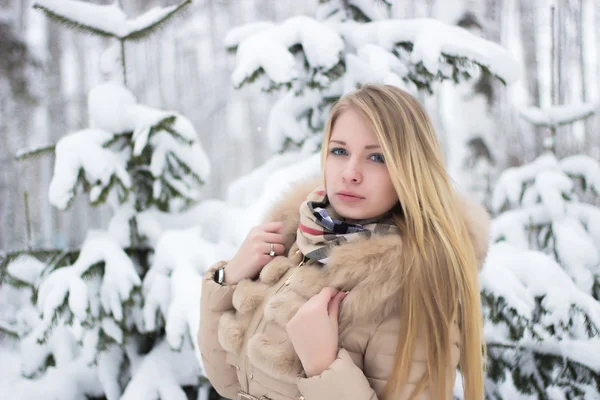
(56, 129)
(528, 14)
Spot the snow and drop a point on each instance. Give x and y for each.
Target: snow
(582, 351)
(110, 59)
(431, 39)
(110, 327)
(171, 284)
(167, 150)
(551, 185)
(268, 49)
(162, 373)
(83, 151)
(589, 216)
(246, 189)
(120, 277)
(73, 381)
(109, 362)
(146, 118)
(284, 115)
(113, 110)
(510, 184)
(577, 251)
(26, 268)
(108, 19)
(268, 46)
(544, 194)
(374, 64)
(373, 11)
(109, 106)
(522, 275)
(585, 167)
(557, 115)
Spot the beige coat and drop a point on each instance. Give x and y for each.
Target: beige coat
(242, 337)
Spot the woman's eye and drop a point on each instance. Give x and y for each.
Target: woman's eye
(377, 158)
(338, 151)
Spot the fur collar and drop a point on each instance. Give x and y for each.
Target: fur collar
(366, 267)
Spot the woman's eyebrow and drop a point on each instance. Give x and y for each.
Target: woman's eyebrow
(371, 146)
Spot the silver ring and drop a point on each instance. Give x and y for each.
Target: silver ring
(272, 252)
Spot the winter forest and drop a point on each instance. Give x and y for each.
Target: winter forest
(140, 140)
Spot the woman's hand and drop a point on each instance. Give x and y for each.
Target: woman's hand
(253, 254)
(314, 330)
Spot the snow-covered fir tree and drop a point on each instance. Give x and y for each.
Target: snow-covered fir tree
(117, 318)
(311, 62)
(465, 110)
(316, 60)
(541, 284)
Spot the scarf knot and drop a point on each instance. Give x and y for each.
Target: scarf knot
(321, 228)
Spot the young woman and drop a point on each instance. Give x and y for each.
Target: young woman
(360, 285)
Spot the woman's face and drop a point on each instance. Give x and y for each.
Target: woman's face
(357, 179)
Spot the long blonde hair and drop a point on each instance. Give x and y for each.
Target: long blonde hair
(439, 267)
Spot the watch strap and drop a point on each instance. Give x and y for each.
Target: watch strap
(219, 275)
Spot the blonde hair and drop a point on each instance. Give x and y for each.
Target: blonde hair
(444, 287)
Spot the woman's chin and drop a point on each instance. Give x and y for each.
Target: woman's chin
(349, 212)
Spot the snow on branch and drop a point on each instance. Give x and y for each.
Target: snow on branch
(584, 167)
(557, 115)
(34, 152)
(524, 277)
(178, 163)
(67, 284)
(107, 20)
(162, 373)
(82, 156)
(429, 49)
(171, 284)
(268, 49)
(431, 39)
(510, 187)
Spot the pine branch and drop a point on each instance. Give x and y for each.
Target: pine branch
(8, 330)
(160, 24)
(123, 192)
(35, 153)
(134, 35)
(71, 24)
(572, 371)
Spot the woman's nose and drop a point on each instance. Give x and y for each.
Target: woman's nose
(351, 173)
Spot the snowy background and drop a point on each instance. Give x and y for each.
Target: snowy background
(117, 189)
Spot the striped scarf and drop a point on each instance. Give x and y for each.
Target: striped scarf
(321, 229)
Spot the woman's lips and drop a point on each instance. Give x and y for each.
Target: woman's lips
(349, 198)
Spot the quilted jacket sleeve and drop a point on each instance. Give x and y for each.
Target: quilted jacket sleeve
(215, 300)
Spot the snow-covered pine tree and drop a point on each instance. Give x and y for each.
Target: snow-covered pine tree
(312, 62)
(316, 60)
(115, 318)
(465, 110)
(541, 284)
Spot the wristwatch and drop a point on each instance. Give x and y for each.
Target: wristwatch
(219, 275)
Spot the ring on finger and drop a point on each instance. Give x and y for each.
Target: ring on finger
(272, 251)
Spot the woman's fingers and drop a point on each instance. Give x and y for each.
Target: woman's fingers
(333, 308)
(279, 249)
(272, 238)
(272, 227)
